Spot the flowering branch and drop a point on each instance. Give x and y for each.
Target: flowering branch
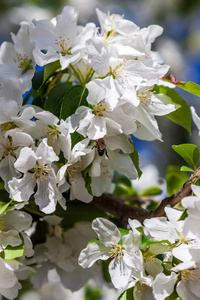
(115, 205)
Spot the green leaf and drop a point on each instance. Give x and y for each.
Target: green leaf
(123, 231)
(40, 77)
(186, 169)
(92, 241)
(54, 101)
(173, 296)
(50, 69)
(197, 182)
(151, 191)
(182, 116)
(174, 179)
(135, 159)
(76, 138)
(190, 87)
(189, 152)
(184, 215)
(127, 295)
(37, 80)
(92, 293)
(75, 97)
(146, 241)
(3, 207)
(152, 206)
(12, 253)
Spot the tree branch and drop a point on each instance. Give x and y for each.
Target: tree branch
(115, 204)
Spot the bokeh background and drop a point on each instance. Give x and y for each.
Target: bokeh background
(179, 47)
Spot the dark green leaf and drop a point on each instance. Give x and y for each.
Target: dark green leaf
(37, 80)
(186, 169)
(182, 116)
(54, 101)
(184, 215)
(38, 101)
(173, 296)
(189, 152)
(50, 69)
(75, 97)
(151, 191)
(135, 159)
(127, 295)
(76, 137)
(175, 179)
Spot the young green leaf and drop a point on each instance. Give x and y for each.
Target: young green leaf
(127, 295)
(174, 179)
(75, 97)
(151, 191)
(190, 87)
(12, 253)
(186, 169)
(182, 116)
(189, 152)
(3, 207)
(123, 231)
(135, 159)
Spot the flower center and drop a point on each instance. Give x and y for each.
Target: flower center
(63, 45)
(149, 256)
(41, 172)
(99, 109)
(189, 276)
(119, 70)
(52, 134)
(23, 62)
(116, 251)
(74, 171)
(7, 148)
(7, 126)
(145, 98)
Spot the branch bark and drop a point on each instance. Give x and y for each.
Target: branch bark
(115, 204)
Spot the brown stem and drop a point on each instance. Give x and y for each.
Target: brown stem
(115, 204)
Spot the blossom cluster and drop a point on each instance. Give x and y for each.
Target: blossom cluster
(155, 258)
(98, 87)
(117, 67)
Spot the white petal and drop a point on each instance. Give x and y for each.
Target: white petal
(92, 253)
(107, 232)
(164, 285)
(119, 273)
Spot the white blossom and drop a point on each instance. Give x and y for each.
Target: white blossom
(123, 251)
(37, 169)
